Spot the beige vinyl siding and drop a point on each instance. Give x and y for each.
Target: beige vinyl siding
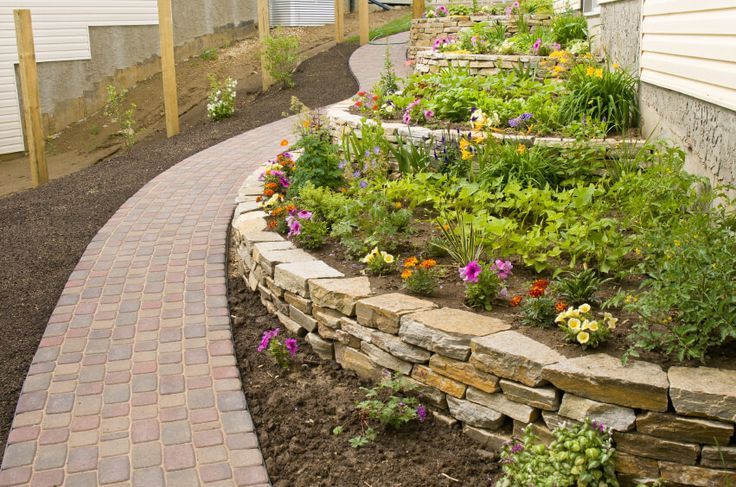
(690, 47)
(61, 33)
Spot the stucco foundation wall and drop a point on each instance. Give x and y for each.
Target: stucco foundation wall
(706, 132)
(619, 32)
(125, 55)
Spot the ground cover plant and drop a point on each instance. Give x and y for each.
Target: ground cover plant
(538, 231)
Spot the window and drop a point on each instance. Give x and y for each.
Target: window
(590, 7)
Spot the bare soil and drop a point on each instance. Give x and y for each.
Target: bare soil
(295, 411)
(95, 138)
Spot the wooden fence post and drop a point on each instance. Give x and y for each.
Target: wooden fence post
(417, 8)
(32, 125)
(363, 26)
(168, 66)
(264, 31)
(339, 21)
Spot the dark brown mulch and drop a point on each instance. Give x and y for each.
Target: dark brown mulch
(44, 231)
(295, 412)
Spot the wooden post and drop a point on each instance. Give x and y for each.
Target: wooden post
(264, 31)
(339, 21)
(168, 66)
(417, 8)
(363, 21)
(31, 99)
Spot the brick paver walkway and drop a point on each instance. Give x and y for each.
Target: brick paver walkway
(366, 63)
(135, 381)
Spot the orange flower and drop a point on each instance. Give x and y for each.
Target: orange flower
(411, 262)
(406, 274)
(271, 185)
(290, 208)
(375, 97)
(358, 103)
(272, 224)
(284, 142)
(516, 300)
(268, 193)
(259, 199)
(560, 306)
(428, 264)
(536, 292)
(542, 283)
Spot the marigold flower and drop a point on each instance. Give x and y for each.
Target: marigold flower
(560, 306)
(358, 103)
(268, 192)
(290, 207)
(516, 300)
(406, 274)
(397, 205)
(259, 199)
(284, 142)
(271, 185)
(536, 292)
(375, 97)
(411, 262)
(428, 264)
(272, 224)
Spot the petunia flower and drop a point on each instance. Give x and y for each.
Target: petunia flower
(292, 346)
(471, 272)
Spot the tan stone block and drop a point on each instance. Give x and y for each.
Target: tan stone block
(384, 359)
(358, 362)
(305, 321)
(697, 476)
(615, 417)
(491, 440)
(718, 457)
(384, 311)
(302, 304)
(294, 277)
(498, 402)
(703, 391)
(427, 376)
(474, 414)
(657, 448)
(679, 428)
(638, 466)
(547, 398)
(340, 294)
(328, 317)
(463, 372)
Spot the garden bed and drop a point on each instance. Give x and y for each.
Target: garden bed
(295, 412)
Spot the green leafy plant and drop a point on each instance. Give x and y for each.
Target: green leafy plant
(579, 287)
(208, 54)
(281, 350)
(568, 27)
(579, 455)
(460, 240)
(485, 290)
(318, 164)
(389, 82)
(313, 234)
(221, 98)
(388, 405)
(607, 93)
(116, 111)
(282, 56)
(409, 156)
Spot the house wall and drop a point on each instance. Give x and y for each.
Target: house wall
(88, 44)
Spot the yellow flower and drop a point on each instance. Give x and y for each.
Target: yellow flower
(521, 149)
(397, 205)
(616, 66)
(464, 143)
(677, 243)
(584, 308)
(593, 326)
(574, 324)
(387, 258)
(599, 73)
(466, 155)
(590, 71)
(583, 338)
(585, 325)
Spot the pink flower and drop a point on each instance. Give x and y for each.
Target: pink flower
(284, 182)
(295, 228)
(304, 215)
(470, 272)
(292, 346)
(503, 268)
(421, 413)
(428, 114)
(537, 45)
(268, 335)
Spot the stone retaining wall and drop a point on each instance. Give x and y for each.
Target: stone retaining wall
(423, 32)
(475, 371)
(481, 64)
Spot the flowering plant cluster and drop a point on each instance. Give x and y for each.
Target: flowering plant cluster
(420, 277)
(521, 122)
(384, 405)
(306, 230)
(366, 103)
(485, 282)
(221, 98)
(580, 326)
(282, 351)
(579, 455)
(276, 179)
(447, 44)
(539, 308)
(416, 114)
(379, 261)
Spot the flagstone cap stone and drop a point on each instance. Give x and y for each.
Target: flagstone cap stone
(604, 378)
(704, 392)
(385, 310)
(295, 276)
(340, 294)
(697, 476)
(511, 355)
(447, 331)
(268, 259)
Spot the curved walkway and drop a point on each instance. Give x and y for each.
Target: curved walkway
(135, 380)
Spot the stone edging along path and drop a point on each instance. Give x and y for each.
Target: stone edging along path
(673, 424)
(135, 379)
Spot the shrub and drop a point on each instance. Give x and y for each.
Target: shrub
(116, 112)
(420, 277)
(388, 84)
(460, 240)
(282, 57)
(221, 98)
(569, 27)
(579, 455)
(319, 164)
(606, 93)
(313, 234)
(388, 405)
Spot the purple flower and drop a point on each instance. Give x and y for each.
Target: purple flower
(471, 272)
(421, 413)
(517, 448)
(376, 150)
(342, 165)
(356, 174)
(514, 122)
(555, 46)
(428, 114)
(407, 117)
(284, 182)
(503, 268)
(503, 293)
(363, 184)
(295, 228)
(599, 426)
(304, 215)
(537, 45)
(268, 335)
(292, 346)
(526, 116)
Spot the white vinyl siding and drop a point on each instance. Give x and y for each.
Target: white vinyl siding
(61, 33)
(301, 12)
(690, 47)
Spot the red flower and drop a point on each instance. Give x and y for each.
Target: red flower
(375, 97)
(516, 300)
(358, 103)
(361, 93)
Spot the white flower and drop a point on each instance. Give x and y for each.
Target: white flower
(584, 308)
